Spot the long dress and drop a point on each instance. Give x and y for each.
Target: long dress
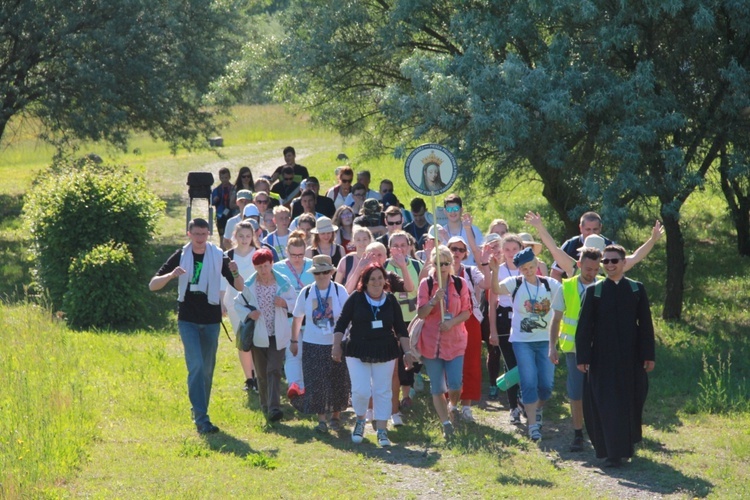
(615, 335)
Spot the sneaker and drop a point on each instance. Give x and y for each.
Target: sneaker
(466, 414)
(396, 420)
(322, 427)
(418, 382)
(358, 433)
(406, 403)
(294, 390)
(383, 438)
(523, 409)
(494, 392)
(251, 384)
(534, 433)
(447, 430)
(515, 415)
(334, 424)
(539, 417)
(577, 444)
(207, 428)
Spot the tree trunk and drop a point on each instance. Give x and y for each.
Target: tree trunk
(676, 265)
(739, 206)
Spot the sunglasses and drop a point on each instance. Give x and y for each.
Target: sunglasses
(288, 178)
(320, 273)
(445, 264)
(394, 223)
(613, 261)
(346, 181)
(457, 249)
(261, 201)
(452, 209)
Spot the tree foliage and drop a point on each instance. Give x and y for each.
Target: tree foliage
(608, 103)
(78, 205)
(98, 69)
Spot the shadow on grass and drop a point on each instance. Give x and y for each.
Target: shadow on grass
(222, 442)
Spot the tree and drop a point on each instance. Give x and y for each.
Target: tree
(609, 103)
(96, 69)
(734, 171)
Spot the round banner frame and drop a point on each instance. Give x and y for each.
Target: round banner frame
(428, 156)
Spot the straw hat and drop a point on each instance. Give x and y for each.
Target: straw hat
(321, 264)
(528, 241)
(324, 225)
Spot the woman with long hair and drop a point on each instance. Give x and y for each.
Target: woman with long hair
(361, 237)
(444, 310)
(373, 317)
(244, 181)
(323, 241)
(245, 243)
(344, 220)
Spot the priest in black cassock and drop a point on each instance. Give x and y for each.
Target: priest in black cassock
(615, 348)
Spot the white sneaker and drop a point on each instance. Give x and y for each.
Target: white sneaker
(452, 408)
(539, 417)
(358, 433)
(466, 414)
(396, 419)
(515, 415)
(383, 438)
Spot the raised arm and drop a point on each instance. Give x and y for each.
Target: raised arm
(643, 250)
(565, 261)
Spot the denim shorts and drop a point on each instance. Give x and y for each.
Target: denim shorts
(575, 378)
(439, 370)
(536, 371)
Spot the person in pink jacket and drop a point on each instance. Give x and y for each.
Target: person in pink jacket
(443, 340)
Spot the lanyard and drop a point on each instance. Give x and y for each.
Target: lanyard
(291, 268)
(533, 301)
(374, 307)
(322, 304)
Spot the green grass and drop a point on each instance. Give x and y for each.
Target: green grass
(105, 414)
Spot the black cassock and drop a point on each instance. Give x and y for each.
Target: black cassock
(615, 335)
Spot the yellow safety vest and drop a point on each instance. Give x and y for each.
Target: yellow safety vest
(567, 340)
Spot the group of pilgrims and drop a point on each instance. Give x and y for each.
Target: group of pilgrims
(334, 281)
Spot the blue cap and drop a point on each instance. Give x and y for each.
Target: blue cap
(524, 256)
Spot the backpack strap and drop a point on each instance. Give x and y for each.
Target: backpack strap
(519, 280)
(600, 284)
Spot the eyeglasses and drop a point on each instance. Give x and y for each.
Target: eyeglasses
(320, 273)
(452, 209)
(261, 201)
(346, 181)
(445, 264)
(394, 223)
(457, 249)
(296, 255)
(613, 261)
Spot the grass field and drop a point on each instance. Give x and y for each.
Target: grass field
(104, 414)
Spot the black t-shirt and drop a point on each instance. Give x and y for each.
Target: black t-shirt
(300, 172)
(417, 232)
(195, 308)
(284, 190)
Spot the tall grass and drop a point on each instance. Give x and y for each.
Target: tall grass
(46, 426)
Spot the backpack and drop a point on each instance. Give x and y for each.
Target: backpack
(335, 286)
(457, 283)
(519, 280)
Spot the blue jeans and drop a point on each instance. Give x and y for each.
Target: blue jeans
(200, 343)
(439, 370)
(536, 371)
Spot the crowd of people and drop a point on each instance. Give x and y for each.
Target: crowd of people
(358, 300)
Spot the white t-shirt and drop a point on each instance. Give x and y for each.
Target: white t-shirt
(319, 322)
(478, 238)
(246, 269)
(278, 243)
(503, 273)
(532, 309)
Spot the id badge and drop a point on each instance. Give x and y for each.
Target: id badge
(377, 324)
(403, 296)
(225, 212)
(447, 316)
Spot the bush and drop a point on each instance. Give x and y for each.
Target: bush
(75, 206)
(103, 287)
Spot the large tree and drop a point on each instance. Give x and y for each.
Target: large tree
(99, 69)
(608, 102)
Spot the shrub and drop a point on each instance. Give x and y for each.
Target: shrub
(103, 287)
(76, 205)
